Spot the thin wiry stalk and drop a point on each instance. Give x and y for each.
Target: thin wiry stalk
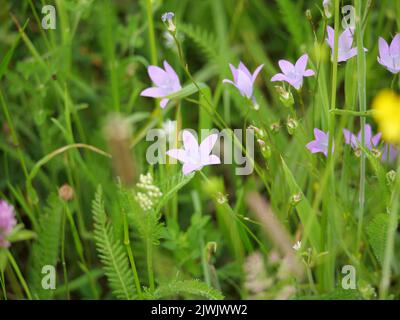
(131, 256)
(19, 275)
(152, 41)
(150, 271)
(391, 233)
(328, 268)
(362, 96)
(63, 262)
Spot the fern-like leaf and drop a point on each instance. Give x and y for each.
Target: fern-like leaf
(377, 235)
(206, 41)
(45, 250)
(111, 252)
(192, 287)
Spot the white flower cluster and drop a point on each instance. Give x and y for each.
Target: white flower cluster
(148, 193)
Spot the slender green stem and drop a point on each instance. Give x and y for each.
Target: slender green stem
(63, 262)
(3, 284)
(334, 84)
(362, 96)
(310, 278)
(394, 81)
(328, 219)
(239, 219)
(19, 275)
(341, 112)
(79, 248)
(149, 248)
(152, 41)
(131, 256)
(14, 135)
(216, 117)
(391, 233)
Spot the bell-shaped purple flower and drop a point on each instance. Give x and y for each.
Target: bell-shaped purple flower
(371, 141)
(345, 46)
(243, 80)
(294, 74)
(320, 144)
(389, 56)
(166, 82)
(7, 222)
(193, 155)
(389, 153)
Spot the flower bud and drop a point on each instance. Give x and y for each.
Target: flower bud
(391, 177)
(66, 192)
(221, 198)
(309, 14)
(328, 8)
(295, 199)
(211, 250)
(275, 127)
(285, 96)
(377, 153)
(260, 134)
(265, 149)
(291, 125)
(167, 18)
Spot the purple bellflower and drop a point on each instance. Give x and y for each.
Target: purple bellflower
(167, 18)
(193, 155)
(345, 50)
(389, 56)
(243, 80)
(320, 144)
(389, 153)
(294, 74)
(355, 141)
(166, 82)
(7, 222)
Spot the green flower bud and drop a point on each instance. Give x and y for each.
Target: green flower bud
(275, 127)
(377, 153)
(391, 177)
(285, 96)
(265, 149)
(295, 199)
(291, 125)
(260, 134)
(309, 15)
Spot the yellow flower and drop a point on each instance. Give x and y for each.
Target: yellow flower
(387, 114)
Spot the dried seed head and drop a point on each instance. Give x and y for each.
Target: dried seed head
(66, 192)
(256, 278)
(118, 132)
